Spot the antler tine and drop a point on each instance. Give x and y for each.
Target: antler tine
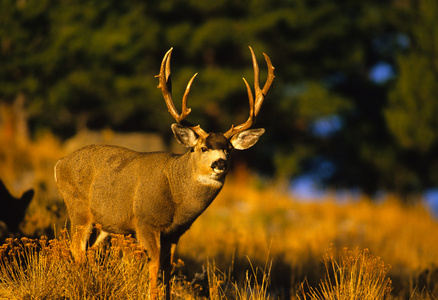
(250, 98)
(185, 110)
(254, 105)
(256, 72)
(267, 85)
(165, 86)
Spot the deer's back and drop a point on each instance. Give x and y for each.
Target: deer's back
(117, 186)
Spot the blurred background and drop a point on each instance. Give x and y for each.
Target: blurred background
(353, 107)
(352, 114)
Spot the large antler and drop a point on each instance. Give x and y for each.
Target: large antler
(254, 106)
(165, 86)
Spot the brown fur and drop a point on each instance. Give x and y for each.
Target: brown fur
(155, 195)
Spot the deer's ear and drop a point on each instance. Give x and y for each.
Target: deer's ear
(185, 136)
(246, 139)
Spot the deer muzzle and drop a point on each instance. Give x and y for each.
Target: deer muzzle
(219, 166)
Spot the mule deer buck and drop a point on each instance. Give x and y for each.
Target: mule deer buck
(158, 195)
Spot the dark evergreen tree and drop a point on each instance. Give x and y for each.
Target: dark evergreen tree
(92, 64)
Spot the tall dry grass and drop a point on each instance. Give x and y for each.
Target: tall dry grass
(251, 218)
(44, 269)
(356, 275)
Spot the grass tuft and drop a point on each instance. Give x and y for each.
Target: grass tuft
(254, 287)
(355, 275)
(45, 269)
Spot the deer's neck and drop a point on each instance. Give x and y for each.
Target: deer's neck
(188, 185)
(190, 195)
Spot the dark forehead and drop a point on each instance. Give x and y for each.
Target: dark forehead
(217, 141)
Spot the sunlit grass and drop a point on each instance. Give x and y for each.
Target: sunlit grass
(356, 275)
(44, 269)
(254, 287)
(251, 220)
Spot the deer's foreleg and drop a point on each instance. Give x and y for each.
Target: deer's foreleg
(167, 254)
(149, 238)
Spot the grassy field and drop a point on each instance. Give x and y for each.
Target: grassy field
(254, 242)
(304, 241)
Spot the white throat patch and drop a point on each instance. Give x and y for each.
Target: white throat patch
(211, 180)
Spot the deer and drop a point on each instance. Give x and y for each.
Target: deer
(13, 210)
(154, 195)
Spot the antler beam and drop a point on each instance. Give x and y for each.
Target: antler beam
(165, 86)
(254, 106)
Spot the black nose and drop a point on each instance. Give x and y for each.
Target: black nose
(220, 164)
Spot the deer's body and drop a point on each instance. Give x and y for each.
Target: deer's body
(118, 180)
(155, 195)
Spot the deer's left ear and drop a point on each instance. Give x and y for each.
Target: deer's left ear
(184, 135)
(246, 139)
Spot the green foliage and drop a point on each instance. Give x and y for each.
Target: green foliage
(411, 113)
(412, 106)
(92, 64)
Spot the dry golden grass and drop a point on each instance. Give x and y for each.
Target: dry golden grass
(356, 275)
(285, 240)
(44, 269)
(249, 221)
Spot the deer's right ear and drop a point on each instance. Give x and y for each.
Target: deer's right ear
(184, 135)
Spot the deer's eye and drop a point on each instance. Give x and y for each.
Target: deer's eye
(203, 149)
